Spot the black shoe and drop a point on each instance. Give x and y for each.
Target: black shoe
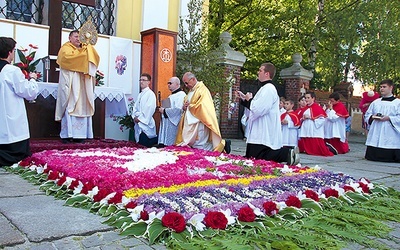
(78, 140)
(332, 148)
(66, 140)
(294, 156)
(159, 146)
(227, 147)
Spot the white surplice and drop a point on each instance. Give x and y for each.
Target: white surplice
(169, 124)
(384, 134)
(264, 124)
(335, 126)
(14, 88)
(312, 128)
(289, 133)
(144, 109)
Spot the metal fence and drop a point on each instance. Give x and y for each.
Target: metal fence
(73, 14)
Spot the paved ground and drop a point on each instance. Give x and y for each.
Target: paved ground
(31, 220)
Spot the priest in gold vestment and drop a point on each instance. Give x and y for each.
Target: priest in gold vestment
(199, 127)
(75, 98)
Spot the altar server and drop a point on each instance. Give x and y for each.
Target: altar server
(335, 125)
(290, 125)
(142, 114)
(383, 115)
(14, 88)
(264, 138)
(311, 132)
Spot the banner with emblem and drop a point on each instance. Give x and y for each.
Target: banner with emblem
(121, 64)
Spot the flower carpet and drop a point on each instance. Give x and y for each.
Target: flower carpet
(195, 199)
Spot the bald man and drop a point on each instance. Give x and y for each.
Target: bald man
(171, 113)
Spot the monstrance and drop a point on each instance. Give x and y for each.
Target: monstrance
(88, 33)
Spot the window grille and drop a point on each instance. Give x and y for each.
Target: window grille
(74, 15)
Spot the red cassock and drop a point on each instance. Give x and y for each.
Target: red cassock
(341, 147)
(314, 145)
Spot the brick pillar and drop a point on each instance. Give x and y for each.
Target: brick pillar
(296, 79)
(232, 61)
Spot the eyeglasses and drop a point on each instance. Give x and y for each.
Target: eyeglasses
(186, 83)
(143, 80)
(169, 83)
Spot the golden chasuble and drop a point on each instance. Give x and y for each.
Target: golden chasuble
(74, 59)
(202, 107)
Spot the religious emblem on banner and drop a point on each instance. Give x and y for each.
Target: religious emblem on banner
(88, 33)
(165, 55)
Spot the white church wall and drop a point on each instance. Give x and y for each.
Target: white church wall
(155, 14)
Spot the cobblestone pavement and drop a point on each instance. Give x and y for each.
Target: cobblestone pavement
(29, 219)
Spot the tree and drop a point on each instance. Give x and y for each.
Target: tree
(197, 56)
(332, 36)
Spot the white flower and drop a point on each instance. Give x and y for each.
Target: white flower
(197, 221)
(317, 167)
(227, 214)
(286, 169)
(281, 205)
(369, 184)
(78, 189)
(135, 212)
(104, 201)
(256, 210)
(153, 216)
(301, 195)
(93, 192)
(339, 189)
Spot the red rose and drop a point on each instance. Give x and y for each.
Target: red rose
(215, 220)
(311, 194)
(53, 175)
(131, 205)
(144, 215)
(331, 192)
(117, 198)
(246, 214)
(74, 184)
(293, 201)
(175, 221)
(61, 180)
(348, 188)
(87, 187)
(270, 208)
(364, 187)
(100, 195)
(25, 162)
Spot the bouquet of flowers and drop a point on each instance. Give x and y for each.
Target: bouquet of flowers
(126, 121)
(99, 78)
(27, 63)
